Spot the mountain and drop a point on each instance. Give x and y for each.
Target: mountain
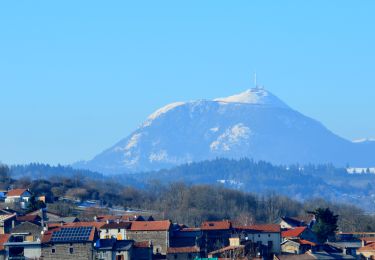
(253, 124)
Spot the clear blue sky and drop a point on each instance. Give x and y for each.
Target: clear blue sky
(77, 76)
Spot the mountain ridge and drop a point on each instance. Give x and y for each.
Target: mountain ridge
(253, 124)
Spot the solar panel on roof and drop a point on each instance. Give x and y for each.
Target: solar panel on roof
(72, 234)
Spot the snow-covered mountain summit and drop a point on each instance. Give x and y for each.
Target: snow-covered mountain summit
(255, 96)
(254, 124)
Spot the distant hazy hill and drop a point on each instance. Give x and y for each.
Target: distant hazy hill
(254, 124)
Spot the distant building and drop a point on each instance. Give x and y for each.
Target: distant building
(299, 233)
(117, 230)
(24, 242)
(216, 234)
(112, 249)
(301, 221)
(266, 236)
(157, 232)
(7, 222)
(297, 246)
(69, 243)
(18, 196)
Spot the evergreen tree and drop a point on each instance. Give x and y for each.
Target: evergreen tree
(326, 224)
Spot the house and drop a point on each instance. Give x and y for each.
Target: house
(184, 253)
(29, 230)
(112, 249)
(186, 237)
(3, 239)
(24, 242)
(299, 233)
(300, 221)
(367, 251)
(18, 196)
(216, 234)
(69, 243)
(115, 230)
(157, 232)
(7, 222)
(297, 246)
(266, 235)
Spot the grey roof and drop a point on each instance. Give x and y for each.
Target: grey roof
(346, 244)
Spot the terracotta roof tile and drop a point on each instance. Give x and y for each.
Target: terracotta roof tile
(150, 225)
(98, 225)
(369, 247)
(294, 232)
(176, 250)
(3, 239)
(16, 192)
(29, 218)
(305, 242)
(225, 249)
(216, 225)
(367, 240)
(267, 228)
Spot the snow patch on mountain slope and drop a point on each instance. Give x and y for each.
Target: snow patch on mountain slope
(363, 140)
(161, 111)
(158, 156)
(231, 137)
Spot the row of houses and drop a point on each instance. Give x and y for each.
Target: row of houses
(45, 235)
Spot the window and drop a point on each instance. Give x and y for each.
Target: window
(118, 230)
(53, 250)
(190, 256)
(270, 244)
(175, 256)
(269, 235)
(71, 250)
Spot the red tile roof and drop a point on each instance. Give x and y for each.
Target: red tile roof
(266, 228)
(160, 225)
(305, 242)
(294, 232)
(16, 192)
(369, 247)
(3, 239)
(216, 225)
(225, 249)
(367, 240)
(29, 218)
(176, 250)
(98, 225)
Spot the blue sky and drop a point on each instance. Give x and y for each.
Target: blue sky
(77, 76)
